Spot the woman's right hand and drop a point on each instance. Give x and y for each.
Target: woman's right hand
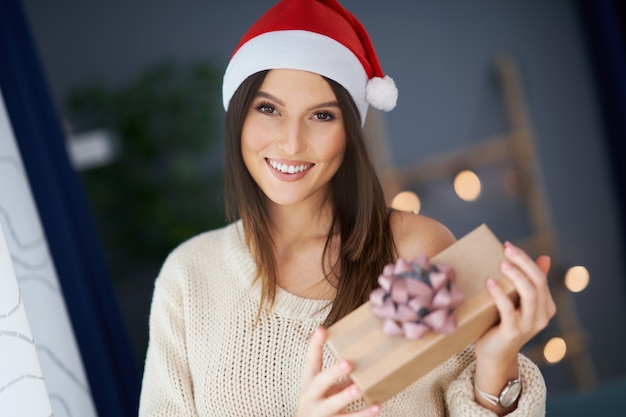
(321, 395)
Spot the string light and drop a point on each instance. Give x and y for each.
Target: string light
(467, 185)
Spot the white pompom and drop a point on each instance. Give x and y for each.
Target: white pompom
(382, 93)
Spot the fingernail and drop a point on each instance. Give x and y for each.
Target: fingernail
(506, 265)
(510, 249)
(375, 409)
(344, 365)
(354, 391)
(491, 283)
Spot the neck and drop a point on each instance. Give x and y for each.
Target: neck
(300, 235)
(300, 222)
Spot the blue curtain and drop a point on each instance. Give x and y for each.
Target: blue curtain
(604, 24)
(101, 335)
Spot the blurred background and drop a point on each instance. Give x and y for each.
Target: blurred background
(506, 116)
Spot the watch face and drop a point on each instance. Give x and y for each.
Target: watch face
(510, 393)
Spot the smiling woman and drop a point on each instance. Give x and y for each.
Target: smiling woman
(293, 138)
(310, 234)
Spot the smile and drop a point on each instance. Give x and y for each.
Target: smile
(288, 169)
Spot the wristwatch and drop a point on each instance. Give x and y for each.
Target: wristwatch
(509, 394)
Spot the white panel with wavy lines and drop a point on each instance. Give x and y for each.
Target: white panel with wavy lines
(34, 322)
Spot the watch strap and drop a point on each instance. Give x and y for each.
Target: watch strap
(496, 400)
(491, 398)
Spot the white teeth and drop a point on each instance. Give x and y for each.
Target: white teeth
(291, 169)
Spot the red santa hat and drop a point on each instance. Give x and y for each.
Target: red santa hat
(319, 36)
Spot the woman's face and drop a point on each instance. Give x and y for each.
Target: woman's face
(293, 137)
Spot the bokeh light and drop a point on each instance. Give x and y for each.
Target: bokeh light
(555, 349)
(407, 201)
(576, 278)
(467, 185)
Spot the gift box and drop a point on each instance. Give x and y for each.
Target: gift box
(384, 365)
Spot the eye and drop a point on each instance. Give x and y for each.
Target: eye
(266, 108)
(324, 116)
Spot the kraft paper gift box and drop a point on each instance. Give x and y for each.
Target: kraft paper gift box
(384, 365)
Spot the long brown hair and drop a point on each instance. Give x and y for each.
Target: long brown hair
(360, 213)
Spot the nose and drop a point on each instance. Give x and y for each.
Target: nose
(292, 139)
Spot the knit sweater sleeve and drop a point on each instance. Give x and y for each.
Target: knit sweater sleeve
(461, 402)
(167, 384)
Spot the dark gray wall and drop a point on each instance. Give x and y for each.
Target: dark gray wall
(441, 55)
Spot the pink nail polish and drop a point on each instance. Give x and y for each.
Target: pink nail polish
(510, 249)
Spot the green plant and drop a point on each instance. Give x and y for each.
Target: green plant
(164, 184)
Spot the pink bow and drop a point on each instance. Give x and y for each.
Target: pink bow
(416, 297)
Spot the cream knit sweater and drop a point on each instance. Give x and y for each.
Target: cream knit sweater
(207, 358)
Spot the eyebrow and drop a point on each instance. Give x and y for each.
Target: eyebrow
(268, 96)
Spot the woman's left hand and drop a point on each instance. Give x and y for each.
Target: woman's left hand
(496, 351)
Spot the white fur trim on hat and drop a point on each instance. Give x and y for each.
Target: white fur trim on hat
(303, 50)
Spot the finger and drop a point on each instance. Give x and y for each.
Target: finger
(503, 303)
(523, 284)
(339, 386)
(537, 304)
(537, 273)
(532, 299)
(338, 402)
(521, 260)
(324, 381)
(372, 410)
(543, 263)
(314, 358)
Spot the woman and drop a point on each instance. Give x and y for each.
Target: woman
(238, 314)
